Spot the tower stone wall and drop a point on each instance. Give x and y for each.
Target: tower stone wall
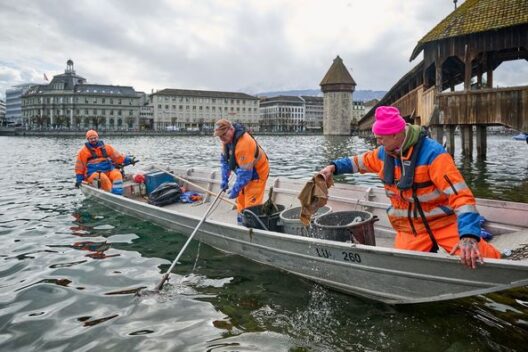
(337, 114)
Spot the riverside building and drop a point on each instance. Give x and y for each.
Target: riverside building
(198, 110)
(358, 111)
(14, 103)
(69, 102)
(282, 114)
(2, 113)
(314, 111)
(286, 113)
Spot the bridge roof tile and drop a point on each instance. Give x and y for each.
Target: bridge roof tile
(475, 16)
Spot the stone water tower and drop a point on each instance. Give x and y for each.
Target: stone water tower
(337, 86)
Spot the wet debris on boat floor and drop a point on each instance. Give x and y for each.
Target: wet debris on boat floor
(520, 253)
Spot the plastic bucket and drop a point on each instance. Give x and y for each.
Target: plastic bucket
(291, 220)
(255, 218)
(354, 226)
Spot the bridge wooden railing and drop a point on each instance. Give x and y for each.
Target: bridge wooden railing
(426, 105)
(490, 106)
(494, 106)
(408, 103)
(418, 103)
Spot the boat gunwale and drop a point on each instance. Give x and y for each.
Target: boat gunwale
(336, 244)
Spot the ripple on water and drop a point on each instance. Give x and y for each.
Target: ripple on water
(69, 268)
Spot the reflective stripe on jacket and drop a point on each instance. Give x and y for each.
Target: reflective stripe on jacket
(445, 198)
(86, 164)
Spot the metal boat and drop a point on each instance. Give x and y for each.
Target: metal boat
(378, 272)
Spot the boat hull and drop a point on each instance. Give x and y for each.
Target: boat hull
(383, 274)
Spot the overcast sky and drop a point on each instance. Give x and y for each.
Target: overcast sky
(249, 46)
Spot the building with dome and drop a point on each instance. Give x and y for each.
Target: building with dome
(69, 102)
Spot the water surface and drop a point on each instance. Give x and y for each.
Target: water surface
(67, 266)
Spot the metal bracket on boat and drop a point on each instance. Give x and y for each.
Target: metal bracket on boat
(250, 233)
(368, 194)
(275, 185)
(210, 184)
(368, 197)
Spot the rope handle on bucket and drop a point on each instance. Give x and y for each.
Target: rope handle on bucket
(247, 211)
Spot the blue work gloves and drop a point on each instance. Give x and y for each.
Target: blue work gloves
(130, 160)
(243, 178)
(233, 193)
(224, 185)
(78, 180)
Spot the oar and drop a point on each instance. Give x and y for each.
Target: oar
(166, 275)
(193, 184)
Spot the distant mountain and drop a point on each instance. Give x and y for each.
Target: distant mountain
(359, 95)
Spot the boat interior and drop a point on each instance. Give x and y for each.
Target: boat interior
(507, 221)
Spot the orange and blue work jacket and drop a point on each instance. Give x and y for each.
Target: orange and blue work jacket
(426, 174)
(245, 157)
(96, 158)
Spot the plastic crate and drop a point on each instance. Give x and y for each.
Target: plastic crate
(154, 179)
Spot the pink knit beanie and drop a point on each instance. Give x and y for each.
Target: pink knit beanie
(388, 121)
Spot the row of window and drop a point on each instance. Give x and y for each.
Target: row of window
(289, 117)
(208, 100)
(282, 109)
(71, 100)
(213, 108)
(178, 122)
(101, 112)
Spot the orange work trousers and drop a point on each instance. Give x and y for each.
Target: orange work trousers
(107, 178)
(446, 238)
(252, 194)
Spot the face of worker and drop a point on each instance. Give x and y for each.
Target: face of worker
(227, 137)
(391, 142)
(93, 140)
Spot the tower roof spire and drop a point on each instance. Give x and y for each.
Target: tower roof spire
(338, 78)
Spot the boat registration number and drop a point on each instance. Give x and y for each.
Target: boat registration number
(345, 256)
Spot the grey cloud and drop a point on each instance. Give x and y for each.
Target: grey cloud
(166, 44)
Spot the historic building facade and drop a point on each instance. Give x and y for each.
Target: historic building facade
(69, 102)
(358, 111)
(197, 110)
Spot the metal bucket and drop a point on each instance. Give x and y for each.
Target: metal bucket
(255, 218)
(291, 220)
(345, 226)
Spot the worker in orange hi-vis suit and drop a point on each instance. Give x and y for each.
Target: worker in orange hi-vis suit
(245, 157)
(431, 205)
(97, 161)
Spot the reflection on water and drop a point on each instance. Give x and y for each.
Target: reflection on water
(70, 269)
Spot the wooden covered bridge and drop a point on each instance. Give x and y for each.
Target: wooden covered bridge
(466, 47)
